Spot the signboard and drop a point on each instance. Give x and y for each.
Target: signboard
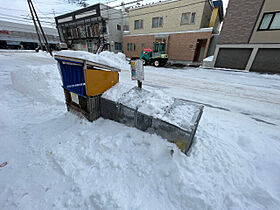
(85, 14)
(4, 32)
(74, 98)
(137, 70)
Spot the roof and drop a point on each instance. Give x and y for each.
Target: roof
(12, 26)
(83, 10)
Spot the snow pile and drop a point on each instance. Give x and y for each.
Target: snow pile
(41, 83)
(105, 58)
(123, 170)
(59, 161)
(155, 103)
(119, 58)
(210, 58)
(208, 62)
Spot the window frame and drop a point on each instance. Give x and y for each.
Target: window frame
(131, 46)
(193, 14)
(190, 18)
(271, 21)
(158, 25)
(141, 23)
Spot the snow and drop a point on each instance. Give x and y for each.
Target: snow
(210, 58)
(155, 103)
(57, 160)
(41, 83)
(116, 60)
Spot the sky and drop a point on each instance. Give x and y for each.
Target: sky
(17, 10)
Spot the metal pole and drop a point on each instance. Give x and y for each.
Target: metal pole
(44, 36)
(35, 25)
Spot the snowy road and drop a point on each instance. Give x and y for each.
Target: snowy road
(59, 161)
(247, 93)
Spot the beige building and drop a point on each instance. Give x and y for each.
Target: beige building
(185, 25)
(251, 36)
(271, 8)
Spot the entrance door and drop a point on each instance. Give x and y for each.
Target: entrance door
(200, 49)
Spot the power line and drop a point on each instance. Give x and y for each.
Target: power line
(21, 18)
(162, 10)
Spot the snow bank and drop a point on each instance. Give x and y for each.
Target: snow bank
(155, 103)
(210, 58)
(41, 83)
(124, 170)
(107, 58)
(208, 62)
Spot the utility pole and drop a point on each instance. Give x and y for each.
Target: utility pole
(41, 28)
(36, 27)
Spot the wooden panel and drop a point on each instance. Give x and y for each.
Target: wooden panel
(98, 81)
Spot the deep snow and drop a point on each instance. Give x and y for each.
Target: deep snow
(156, 103)
(59, 161)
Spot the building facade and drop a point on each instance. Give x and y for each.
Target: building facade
(186, 26)
(23, 36)
(92, 27)
(250, 37)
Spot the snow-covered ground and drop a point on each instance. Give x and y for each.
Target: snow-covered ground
(59, 161)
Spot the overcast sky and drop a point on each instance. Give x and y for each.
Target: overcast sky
(17, 10)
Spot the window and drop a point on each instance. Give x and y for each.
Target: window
(162, 48)
(188, 18)
(67, 33)
(118, 46)
(193, 18)
(156, 46)
(89, 46)
(79, 32)
(75, 33)
(138, 24)
(157, 22)
(270, 21)
(119, 27)
(89, 31)
(126, 28)
(104, 28)
(131, 46)
(276, 21)
(185, 18)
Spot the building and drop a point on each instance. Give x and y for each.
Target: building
(23, 36)
(250, 36)
(186, 26)
(89, 28)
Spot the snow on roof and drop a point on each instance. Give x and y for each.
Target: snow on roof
(12, 26)
(105, 58)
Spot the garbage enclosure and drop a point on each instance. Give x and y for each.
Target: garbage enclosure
(83, 82)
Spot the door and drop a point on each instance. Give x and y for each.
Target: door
(200, 50)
